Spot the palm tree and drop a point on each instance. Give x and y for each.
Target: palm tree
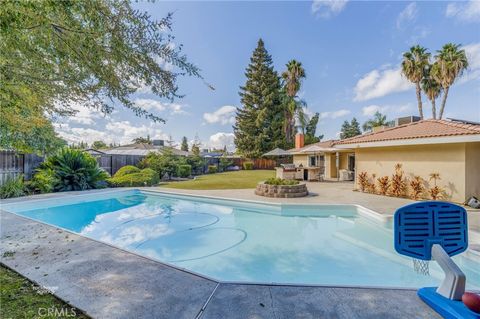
(431, 88)
(378, 120)
(292, 78)
(413, 67)
(450, 64)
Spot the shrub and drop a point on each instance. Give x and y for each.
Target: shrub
(384, 184)
(74, 170)
(42, 181)
(417, 188)
(125, 170)
(248, 166)
(225, 163)
(435, 192)
(280, 181)
(144, 177)
(212, 169)
(399, 183)
(184, 170)
(13, 187)
(163, 163)
(363, 181)
(371, 185)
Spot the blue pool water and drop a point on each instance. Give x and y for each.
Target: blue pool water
(238, 241)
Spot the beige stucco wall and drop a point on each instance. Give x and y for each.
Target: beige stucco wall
(300, 159)
(472, 170)
(447, 159)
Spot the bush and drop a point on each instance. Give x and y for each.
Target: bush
(163, 163)
(280, 181)
(42, 182)
(184, 170)
(144, 177)
(248, 166)
(13, 187)
(125, 170)
(74, 170)
(212, 169)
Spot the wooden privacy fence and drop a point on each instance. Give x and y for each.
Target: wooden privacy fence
(13, 164)
(262, 163)
(113, 162)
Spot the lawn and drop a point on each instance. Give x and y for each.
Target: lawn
(20, 298)
(227, 180)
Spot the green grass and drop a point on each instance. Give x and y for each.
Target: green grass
(20, 298)
(227, 180)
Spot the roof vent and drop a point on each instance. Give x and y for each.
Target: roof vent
(158, 142)
(406, 120)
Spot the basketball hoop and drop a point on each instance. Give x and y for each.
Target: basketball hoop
(421, 266)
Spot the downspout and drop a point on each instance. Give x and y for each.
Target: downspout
(337, 164)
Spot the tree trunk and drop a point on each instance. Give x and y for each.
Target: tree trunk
(419, 99)
(444, 100)
(434, 110)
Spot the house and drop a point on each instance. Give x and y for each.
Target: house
(321, 161)
(448, 147)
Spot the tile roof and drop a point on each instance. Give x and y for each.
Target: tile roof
(323, 144)
(420, 129)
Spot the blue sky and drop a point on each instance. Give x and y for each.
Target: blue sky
(351, 51)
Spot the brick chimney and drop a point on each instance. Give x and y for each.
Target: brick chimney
(299, 140)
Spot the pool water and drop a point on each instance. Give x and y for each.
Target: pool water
(245, 242)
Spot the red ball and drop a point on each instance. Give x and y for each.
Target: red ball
(472, 301)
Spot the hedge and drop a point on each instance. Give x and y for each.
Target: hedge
(212, 169)
(144, 177)
(184, 170)
(248, 165)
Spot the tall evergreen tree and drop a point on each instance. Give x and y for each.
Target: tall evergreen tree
(350, 129)
(184, 146)
(259, 121)
(310, 130)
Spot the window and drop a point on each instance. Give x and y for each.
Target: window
(312, 161)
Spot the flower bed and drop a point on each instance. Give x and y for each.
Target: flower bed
(281, 191)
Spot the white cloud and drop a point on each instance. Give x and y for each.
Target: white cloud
(224, 115)
(378, 83)
(328, 8)
(464, 11)
(473, 55)
(408, 15)
(370, 110)
(157, 106)
(221, 139)
(83, 115)
(334, 114)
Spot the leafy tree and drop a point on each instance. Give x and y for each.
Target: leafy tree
(431, 88)
(450, 62)
(292, 79)
(142, 140)
(196, 146)
(259, 122)
(95, 53)
(164, 163)
(350, 129)
(99, 145)
(378, 120)
(310, 131)
(413, 66)
(184, 146)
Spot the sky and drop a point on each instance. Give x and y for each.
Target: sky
(351, 52)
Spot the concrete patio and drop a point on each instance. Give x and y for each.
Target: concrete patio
(107, 282)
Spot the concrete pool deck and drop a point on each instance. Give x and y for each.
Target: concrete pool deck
(107, 282)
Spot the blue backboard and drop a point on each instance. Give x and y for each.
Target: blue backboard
(420, 225)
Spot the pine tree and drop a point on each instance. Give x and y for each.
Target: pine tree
(350, 129)
(184, 146)
(311, 129)
(259, 122)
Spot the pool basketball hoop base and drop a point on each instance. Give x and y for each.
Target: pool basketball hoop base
(436, 231)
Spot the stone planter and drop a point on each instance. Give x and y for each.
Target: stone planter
(281, 191)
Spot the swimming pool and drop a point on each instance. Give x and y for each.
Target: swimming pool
(240, 241)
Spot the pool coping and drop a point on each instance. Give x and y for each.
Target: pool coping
(363, 210)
